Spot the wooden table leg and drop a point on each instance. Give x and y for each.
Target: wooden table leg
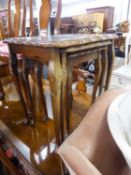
(55, 77)
(98, 69)
(69, 97)
(64, 95)
(111, 57)
(104, 60)
(27, 90)
(39, 72)
(16, 77)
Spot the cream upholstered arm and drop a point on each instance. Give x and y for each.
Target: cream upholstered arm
(90, 149)
(79, 164)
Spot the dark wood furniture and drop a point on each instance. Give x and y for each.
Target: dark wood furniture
(67, 25)
(108, 15)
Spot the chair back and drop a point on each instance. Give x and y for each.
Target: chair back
(58, 17)
(45, 12)
(16, 19)
(45, 16)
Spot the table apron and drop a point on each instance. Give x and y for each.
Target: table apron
(86, 47)
(32, 52)
(42, 54)
(74, 61)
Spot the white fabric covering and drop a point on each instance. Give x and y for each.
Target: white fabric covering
(119, 121)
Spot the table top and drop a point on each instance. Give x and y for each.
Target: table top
(61, 40)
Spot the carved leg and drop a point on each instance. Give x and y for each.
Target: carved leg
(69, 97)
(27, 91)
(2, 94)
(64, 95)
(40, 86)
(111, 57)
(55, 74)
(17, 80)
(104, 68)
(98, 69)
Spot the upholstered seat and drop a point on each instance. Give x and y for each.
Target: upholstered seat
(91, 149)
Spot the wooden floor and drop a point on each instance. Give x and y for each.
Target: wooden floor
(40, 139)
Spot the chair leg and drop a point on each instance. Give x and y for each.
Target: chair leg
(2, 94)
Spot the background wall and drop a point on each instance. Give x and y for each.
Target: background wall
(74, 7)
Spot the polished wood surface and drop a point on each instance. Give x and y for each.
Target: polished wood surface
(35, 147)
(36, 144)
